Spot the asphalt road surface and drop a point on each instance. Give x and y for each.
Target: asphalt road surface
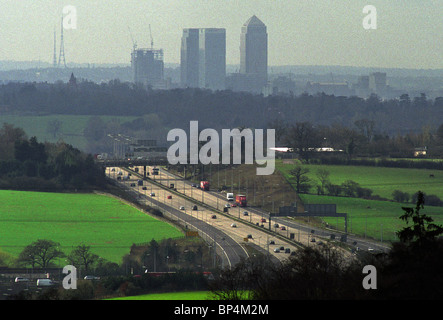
(220, 229)
(304, 234)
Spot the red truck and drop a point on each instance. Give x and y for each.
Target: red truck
(204, 185)
(241, 200)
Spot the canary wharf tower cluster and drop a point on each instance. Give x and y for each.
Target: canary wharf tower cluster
(203, 58)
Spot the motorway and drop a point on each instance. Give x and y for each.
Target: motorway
(213, 226)
(303, 234)
(248, 228)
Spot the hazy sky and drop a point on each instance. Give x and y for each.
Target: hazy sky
(409, 33)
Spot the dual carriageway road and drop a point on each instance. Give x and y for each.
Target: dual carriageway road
(229, 230)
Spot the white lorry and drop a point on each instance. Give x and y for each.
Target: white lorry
(230, 196)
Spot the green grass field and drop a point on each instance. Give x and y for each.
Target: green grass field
(383, 181)
(71, 129)
(188, 295)
(106, 224)
(376, 219)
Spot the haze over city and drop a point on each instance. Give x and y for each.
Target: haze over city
(408, 35)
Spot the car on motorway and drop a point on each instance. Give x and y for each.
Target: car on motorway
(312, 239)
(276, 250)
(245, 213)
(283, 228)
(145, 188)
(152, 194)
(276, 225)
(182, 207)
(233, 205)
(282, 248)
(194, 208)
(169, 197)
(262, 220)
(227, 205)
(132, 184)
(287, 250)
(233, 225)
(272, 242)
(249, 236)
(213, 216)
(45, 283)
(194, 185)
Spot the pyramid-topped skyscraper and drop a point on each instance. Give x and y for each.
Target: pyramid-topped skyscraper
(254, 53)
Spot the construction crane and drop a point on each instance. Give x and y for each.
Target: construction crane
(152, 40)
(134, 43)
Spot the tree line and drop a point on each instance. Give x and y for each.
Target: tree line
(343, 144)
(156, 256)
(167, 265)
(26, 164)
(224, 109)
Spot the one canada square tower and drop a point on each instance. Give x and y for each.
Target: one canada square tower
(254, 53)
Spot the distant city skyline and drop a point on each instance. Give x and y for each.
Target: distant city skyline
(300, 32)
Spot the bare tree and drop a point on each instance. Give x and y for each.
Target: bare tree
(323, 177)
(82, 256)
(303, 138)
(54, 127)
(301, 179)
(40, 253)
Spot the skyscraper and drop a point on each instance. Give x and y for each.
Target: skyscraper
(189, 58)
(378, 83)
(212, 58)
(148, 67)
(254, 53)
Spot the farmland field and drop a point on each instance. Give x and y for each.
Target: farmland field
(376, 219)
(106, 224)
(71, 131)
(383, 181)
(188, 295)
(373, 218)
